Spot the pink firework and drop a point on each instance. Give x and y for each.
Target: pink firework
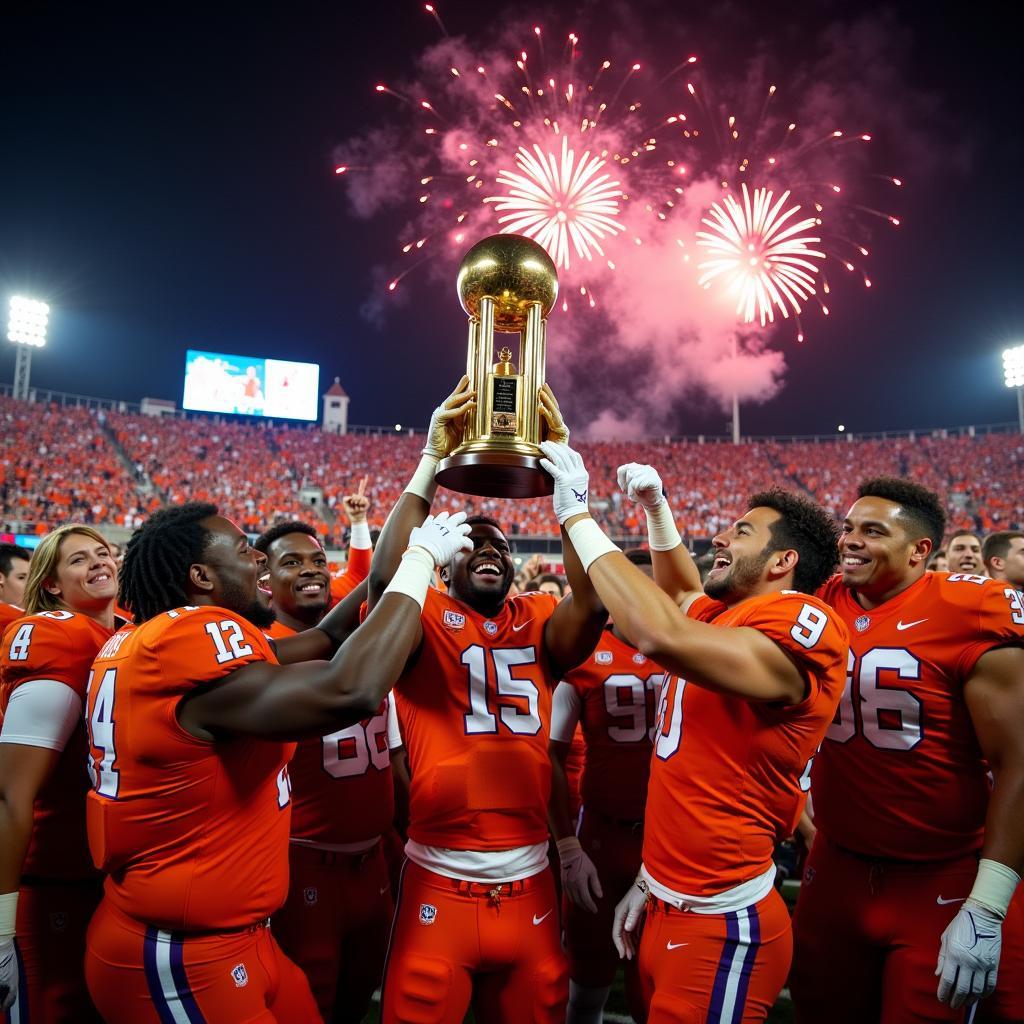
(760, 254)
(564, 203)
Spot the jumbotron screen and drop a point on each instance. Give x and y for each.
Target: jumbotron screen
(251, 386)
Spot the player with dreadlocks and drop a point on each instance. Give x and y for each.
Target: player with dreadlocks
(191, 719)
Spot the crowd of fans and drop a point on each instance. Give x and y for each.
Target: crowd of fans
(63, 464)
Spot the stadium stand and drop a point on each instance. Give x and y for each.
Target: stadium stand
(87, 465)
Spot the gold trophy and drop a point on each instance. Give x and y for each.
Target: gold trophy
(506, 284)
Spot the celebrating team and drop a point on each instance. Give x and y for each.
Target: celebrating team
(227, 857)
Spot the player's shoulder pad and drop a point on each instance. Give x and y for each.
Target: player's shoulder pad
(189, 620)
(965, 591)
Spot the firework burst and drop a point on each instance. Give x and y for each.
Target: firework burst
(757, 249)
(596, 159)
(562, 202)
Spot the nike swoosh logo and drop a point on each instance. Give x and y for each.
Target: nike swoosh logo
(380, 892)
(941, 902)
(906, 625)
(537, 920)
(523, 625)
(676, 945)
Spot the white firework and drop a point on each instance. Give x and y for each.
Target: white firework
(557, 200)
(767, 263)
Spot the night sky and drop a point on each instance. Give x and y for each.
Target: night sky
(167, 182)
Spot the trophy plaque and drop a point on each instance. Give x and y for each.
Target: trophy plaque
(507, 285)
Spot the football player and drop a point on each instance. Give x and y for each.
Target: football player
(476, 918)
(754, 670)
(48, 885)
(191, 720)
(335, 922)
(901, 792)
(614, 694)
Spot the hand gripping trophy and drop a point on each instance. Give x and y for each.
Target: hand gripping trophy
(507, 284)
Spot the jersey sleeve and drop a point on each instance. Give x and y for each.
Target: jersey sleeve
(357, 569)
(41, 713)
(50, 645)
(807, 630)
(395, 741)
(999, 623)
(202, 645)
(566, 708)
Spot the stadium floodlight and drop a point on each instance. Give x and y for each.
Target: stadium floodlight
(26, 327)
(1013, 377)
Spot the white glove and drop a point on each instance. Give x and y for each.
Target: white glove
(641, 484)
(445, 430)
(579, 876)
(629, 920)
(443, 536)
(8, 974)
(969, 955)
(572, 481)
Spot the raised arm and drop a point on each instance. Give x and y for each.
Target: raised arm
(575, 626)
(414, 504)
(674, 570)
(313, 698)
(735, 660)
(971, 945)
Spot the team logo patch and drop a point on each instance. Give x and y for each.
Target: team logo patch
(240, 975)
(428, 913)
(59, 921)
(454, 620)
(490, 627)
(639, 658)
(310, 895)
(603, 657)
(862, 622)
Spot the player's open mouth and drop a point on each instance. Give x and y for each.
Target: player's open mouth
(100, 577)
(488, 568)
(263, 585)
(722, 561)
(854, 562)
(310, 588)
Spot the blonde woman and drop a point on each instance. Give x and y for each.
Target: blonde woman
(48, 885)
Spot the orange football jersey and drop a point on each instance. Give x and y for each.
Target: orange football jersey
(342, 790)
(57, 645)
(900, 773)
(193, 835)
(730, 776)
(278, 631)
(357, 569)
(618, 689)
(475, 715)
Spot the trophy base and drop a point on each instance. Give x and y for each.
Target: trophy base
(495, 474)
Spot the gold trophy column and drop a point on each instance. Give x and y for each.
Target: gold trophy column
(506, 284)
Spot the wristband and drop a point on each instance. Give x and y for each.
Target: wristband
(994, 886)
(8, 914)
(422, 482)
(414, 575)
(590, 542)
(662, 534)
(360, 536)
(567, 845)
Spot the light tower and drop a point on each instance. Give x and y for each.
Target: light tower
(1013, 377)
(26, 327)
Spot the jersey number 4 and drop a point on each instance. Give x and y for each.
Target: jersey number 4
(106, 779)
(889, 717)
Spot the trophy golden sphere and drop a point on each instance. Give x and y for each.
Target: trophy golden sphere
(512, 270)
